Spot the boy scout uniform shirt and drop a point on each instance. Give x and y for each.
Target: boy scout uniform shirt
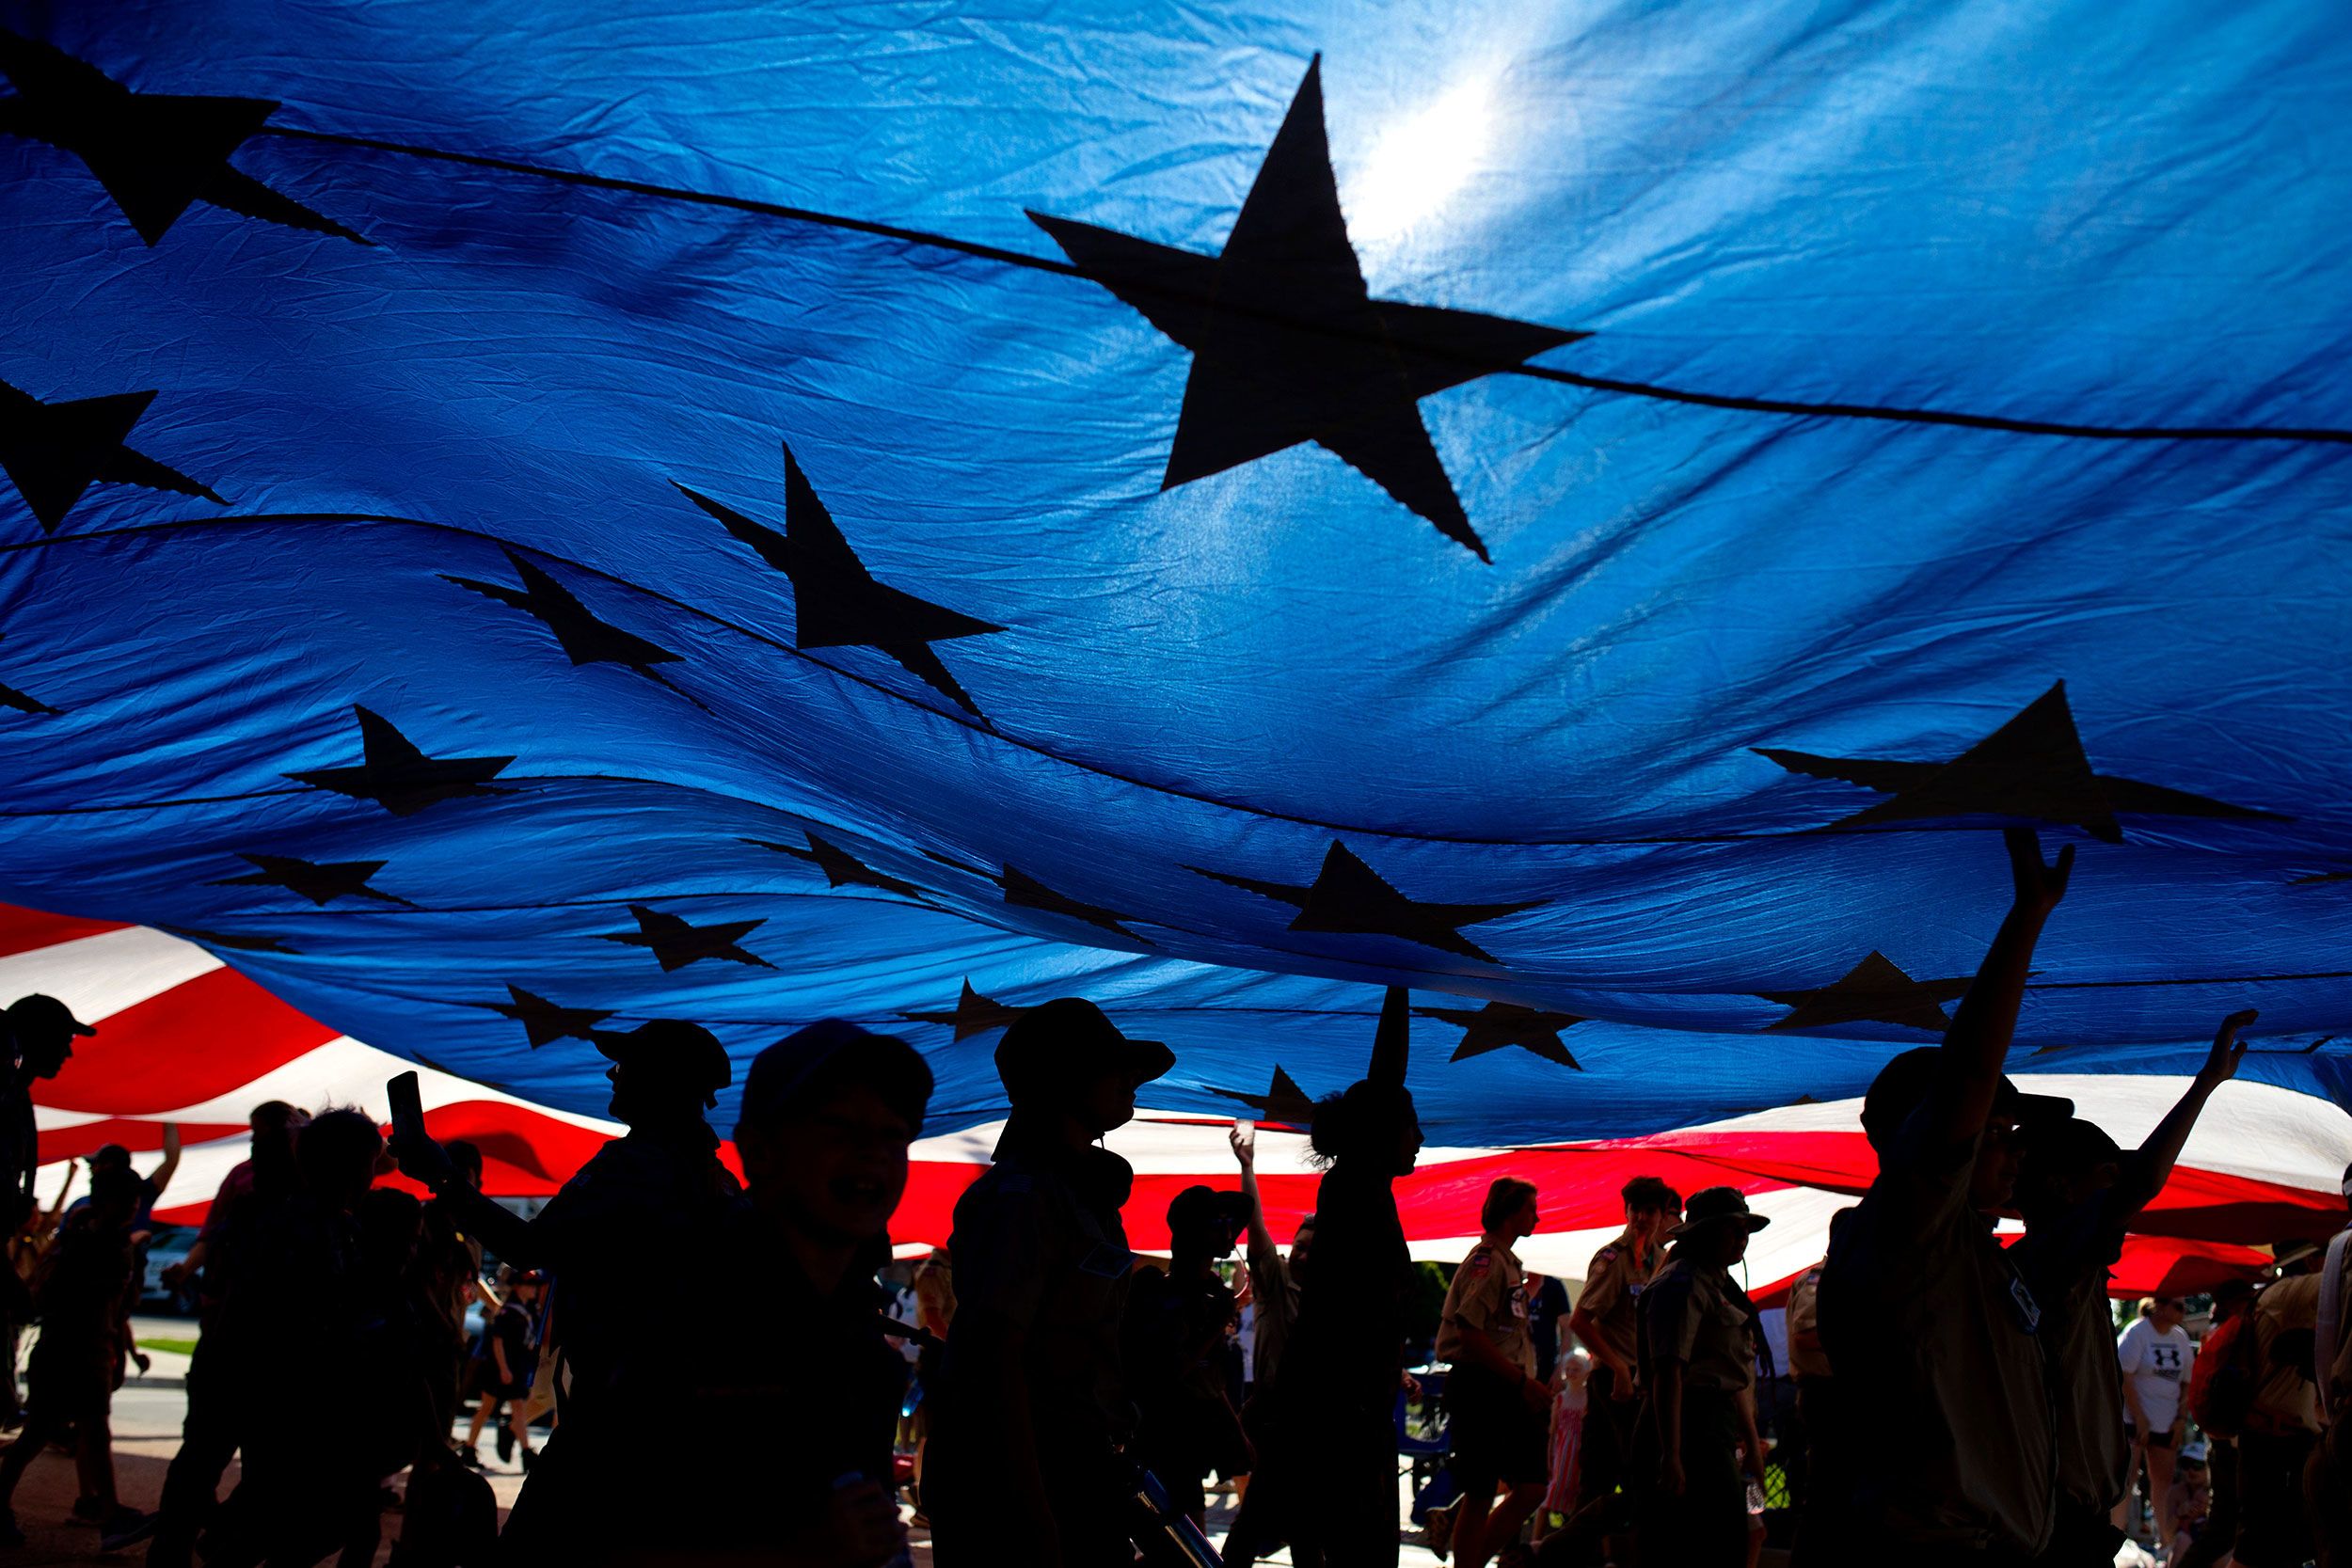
(1489, 1295)
(2285, 1402)
(1039, 1244)
(1806, 1357)
(1936, 1336)
(2064, 1258)
(1614, 1283)
(1694, 1313)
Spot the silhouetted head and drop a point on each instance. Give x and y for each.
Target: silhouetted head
(1509, 1209)
(113, 1197)
(46, 1030)
(1205, 1223)
(2063, 1163)
(2230, 1298)
(1067, 1058)
(1651, 1207)
(109, 1157)
(1302, 1242)
(1370, 1124)
(466, 1156)
(527, 1285)
(664, 1070)
(337, 1154)
(1903, 1086)
(1716, 1226)
(828, 1114)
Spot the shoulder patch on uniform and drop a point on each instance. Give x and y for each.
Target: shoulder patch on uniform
(1605, 1255)
(1480, 1262)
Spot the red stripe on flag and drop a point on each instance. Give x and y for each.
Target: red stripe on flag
(139, 1137)
(207, 1038)
(23, 929)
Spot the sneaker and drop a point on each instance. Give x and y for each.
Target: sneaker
(127, 1527)
(1438, 1524)
(526, 1456)
(466, 1456)
(89, 1511)
(506, 1444)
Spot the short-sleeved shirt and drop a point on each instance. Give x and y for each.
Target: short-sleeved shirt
(2286, 1400)
(2064, 1258)
(1038, 1245)
(1937, 1336)
(1806, 1359)
(1614, 1283)
(1489, 1295)
(1694, 1314)
(2158, 1362)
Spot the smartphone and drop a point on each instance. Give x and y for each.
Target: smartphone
(407, 1106)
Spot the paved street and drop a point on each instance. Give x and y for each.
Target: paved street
(147, 1413)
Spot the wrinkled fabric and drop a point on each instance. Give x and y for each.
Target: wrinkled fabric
(1588, 512)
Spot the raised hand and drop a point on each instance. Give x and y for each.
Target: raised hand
(2222, 1061)
(1245, 1148)
(2038, 887)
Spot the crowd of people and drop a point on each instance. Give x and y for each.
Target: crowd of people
(1958, 1401)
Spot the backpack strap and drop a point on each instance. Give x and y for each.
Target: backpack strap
(2331, 1303)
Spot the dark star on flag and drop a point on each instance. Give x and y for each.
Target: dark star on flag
(1287, 343)
(2309, 881)
(544, 1021)
(836, 602)
(676, 944)
(975, 1014)
(400, 778)
(1876, 990)
(585, 637)
(1348, 898)
(11, 697)
(841, 868)
(1505, 1023)
(2033, 767)
(156, 154)
(1283, 1101)
(321, 884)
(52, 452)
(233, 941)
(1025, 892)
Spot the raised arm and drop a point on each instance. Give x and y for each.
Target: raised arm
(2145, 1174)
(1979, 1038)
(1265, 1262)
(171, 1168)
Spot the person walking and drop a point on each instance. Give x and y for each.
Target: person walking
(2153, 1355)
(1032, 1403)
(1497, 1406)
(1930, 1326)
(512, 1356)
(1605, 1321)
(661, 1179)
(1171, 1342)
(1695, 1444)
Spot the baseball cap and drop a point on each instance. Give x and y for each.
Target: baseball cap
(1904, 1081)
(1718, 1206)
(2070, 1145)
(42, 1011)
(1069, 1040)
(831, 1051)
(674, 1048)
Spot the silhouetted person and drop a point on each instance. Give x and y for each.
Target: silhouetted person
(82, 1293)
(1606, 1319)
(2079, 1193)
(1695, 1445)
(662, 1178)
(220, 1394)
(36, 1036)
(1933, 1331)
(513, 1354)
(1498, 1407)
(2233, 1300)
(1031, 1397)
(1334, 1461)
(1172, 1340)
(1276, 1284)
(1821, 1411)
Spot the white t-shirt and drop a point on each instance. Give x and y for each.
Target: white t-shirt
(2157, 1364)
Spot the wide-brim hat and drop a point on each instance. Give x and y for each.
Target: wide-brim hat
(1718, 1206)
(1069, 1040)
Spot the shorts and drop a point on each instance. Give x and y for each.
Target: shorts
(2161, 1438)
(1492, 1433)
